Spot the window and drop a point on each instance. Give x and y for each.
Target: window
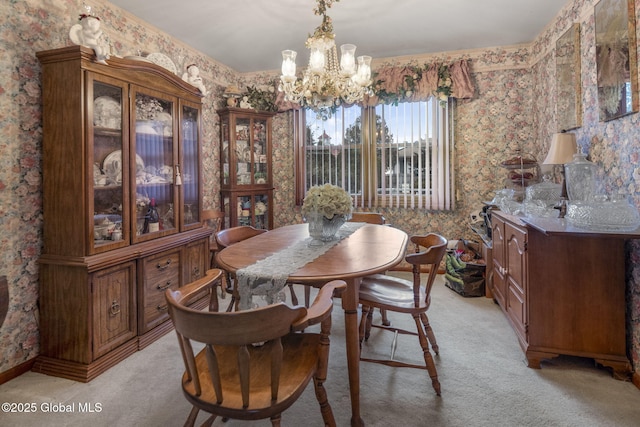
(387, 156)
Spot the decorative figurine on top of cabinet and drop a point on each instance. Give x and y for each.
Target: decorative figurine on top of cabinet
(192, 75)
(87, 33)
(232, 93)
(244, 103)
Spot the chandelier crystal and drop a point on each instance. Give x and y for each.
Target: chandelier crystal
(326, 83)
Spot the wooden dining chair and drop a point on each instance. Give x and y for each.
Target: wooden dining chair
(213, 219)
(235, 377)
(368, 217)
(406, 296)
(228, 237)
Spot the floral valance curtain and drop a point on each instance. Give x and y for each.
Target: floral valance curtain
(412, 83)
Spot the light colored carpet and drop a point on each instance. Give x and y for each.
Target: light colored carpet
(485, 382)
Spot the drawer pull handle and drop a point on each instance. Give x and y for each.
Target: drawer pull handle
(162, 308)
(165, 266)
(165, 286)
(115, 308)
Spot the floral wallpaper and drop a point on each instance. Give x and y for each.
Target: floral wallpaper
(513, 107)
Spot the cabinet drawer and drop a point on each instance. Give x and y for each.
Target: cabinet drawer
(159, 273)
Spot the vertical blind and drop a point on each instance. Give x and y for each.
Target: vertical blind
(393, 156)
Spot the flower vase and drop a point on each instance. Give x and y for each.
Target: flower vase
(323, 229)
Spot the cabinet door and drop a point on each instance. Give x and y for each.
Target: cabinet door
(114, 307)
(498, 259)
(190, 166)
(153, 163)
(109, 226)
(243, 151)
(516, 244)
(259, 152)
(248, 208)
(159, 273)
(196, 260)
(225, 134)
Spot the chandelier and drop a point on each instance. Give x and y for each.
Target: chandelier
(326, 83)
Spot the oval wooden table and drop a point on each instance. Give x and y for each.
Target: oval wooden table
(370, 249)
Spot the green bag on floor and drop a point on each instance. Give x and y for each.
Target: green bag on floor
(465, 278)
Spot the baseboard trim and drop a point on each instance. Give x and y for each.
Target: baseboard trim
(16, 371)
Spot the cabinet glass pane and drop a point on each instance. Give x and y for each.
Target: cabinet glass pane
(224, 124)
(261, 211)
(189, 169)
(253, 210)
(108, 195)
(154, 161)
(260, 171)
(243, 152)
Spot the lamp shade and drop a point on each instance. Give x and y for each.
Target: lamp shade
(563, 147)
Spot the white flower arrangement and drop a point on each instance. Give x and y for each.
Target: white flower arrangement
(328, 199)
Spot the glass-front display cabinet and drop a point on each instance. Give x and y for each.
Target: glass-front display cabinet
(248, 208)
(247, 186)
(152, 166)
(121, 205)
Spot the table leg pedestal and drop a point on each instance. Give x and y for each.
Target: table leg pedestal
(350, 306)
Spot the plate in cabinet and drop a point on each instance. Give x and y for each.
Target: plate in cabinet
(164, 61)
(112, 166)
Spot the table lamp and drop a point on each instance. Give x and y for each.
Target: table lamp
(563, 147)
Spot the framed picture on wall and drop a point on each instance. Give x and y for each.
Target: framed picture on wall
(616, 58)
(568, 87)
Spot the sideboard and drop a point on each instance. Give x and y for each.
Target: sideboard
(562, 289)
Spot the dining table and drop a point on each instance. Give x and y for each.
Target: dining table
(367, 249)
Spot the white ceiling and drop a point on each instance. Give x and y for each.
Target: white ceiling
(248, 35)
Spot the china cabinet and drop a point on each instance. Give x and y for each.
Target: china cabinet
(122, 205)
(562, 289)
(246, 175)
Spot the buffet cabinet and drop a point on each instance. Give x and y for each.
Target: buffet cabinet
(562, 289)
(246, 178)
(121, 205)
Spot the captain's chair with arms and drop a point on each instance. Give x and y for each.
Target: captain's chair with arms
(232, 376)
(405, 296)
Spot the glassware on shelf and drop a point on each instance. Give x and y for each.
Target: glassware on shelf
(168, 217)
(542, 198)
(580, 175)
(602, 213)
(547, 191)
(188, 215)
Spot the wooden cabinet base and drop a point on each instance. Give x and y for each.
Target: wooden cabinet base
(80, 371)
(86, 372)
(562, 289)
(620, 366)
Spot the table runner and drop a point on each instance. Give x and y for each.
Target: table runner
(268, 276)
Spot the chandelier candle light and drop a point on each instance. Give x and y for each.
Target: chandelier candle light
(326, 84)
